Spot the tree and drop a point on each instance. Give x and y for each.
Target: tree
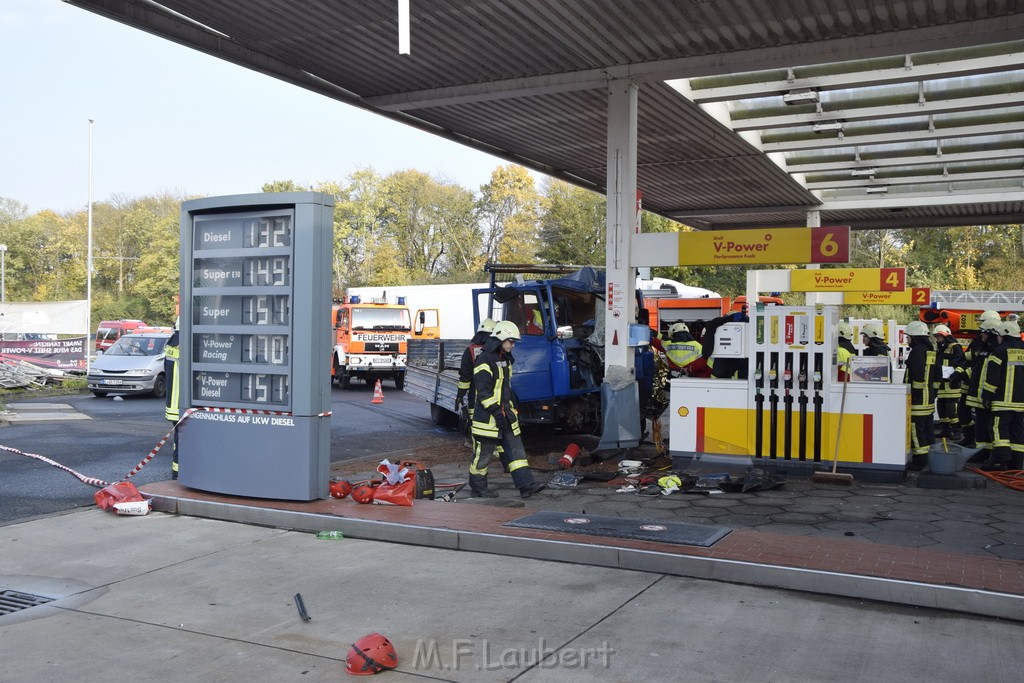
(572, 225)
(420, 216)
(507, 213)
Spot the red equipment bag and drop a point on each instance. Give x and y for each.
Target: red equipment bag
(395, 494)
(120, 492)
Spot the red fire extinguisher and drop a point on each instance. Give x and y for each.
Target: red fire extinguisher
(572, 451)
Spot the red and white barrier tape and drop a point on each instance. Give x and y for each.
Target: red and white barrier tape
(92, 481)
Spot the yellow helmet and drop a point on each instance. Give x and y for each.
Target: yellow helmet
(941, 331)
(872, 331)
(487, 325)
(992, 325)
(1010, 328)
(676, 328)
(917, 329)
(988, 316)
(844, 330)
(506, 329)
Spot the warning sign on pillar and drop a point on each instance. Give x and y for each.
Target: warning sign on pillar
(615, 300)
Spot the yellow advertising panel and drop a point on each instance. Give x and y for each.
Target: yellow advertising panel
(765, 246)
(849, 280)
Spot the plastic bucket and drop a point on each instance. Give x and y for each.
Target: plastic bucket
(946, 459)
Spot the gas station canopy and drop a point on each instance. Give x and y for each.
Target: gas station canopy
(876, 113)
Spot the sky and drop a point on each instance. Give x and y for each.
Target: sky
(171, 119)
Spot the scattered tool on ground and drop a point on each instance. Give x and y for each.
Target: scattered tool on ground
(834, 477)
(302, 607)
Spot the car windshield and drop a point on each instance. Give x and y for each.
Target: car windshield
(137, 346)
(393, 319)
(106, 333)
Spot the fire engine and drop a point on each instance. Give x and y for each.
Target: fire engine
(370, 339)
(663, 311)
(959, 310)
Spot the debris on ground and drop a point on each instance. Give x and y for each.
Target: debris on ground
(19, 373)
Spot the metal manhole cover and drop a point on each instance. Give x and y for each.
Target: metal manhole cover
(680, 533)
(15, 601)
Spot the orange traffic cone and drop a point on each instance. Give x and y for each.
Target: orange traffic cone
(378, 393)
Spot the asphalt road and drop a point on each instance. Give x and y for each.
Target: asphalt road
(121, 433)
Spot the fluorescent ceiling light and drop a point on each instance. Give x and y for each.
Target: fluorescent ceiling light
(882, 189)
(830, 125)
(800, 96)
(863, 171)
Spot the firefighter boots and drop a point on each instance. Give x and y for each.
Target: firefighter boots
(478, 487)
(530, 489)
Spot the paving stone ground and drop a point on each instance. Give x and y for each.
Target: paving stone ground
(987, 521)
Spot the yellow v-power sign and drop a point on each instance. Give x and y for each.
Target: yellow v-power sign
(765, 246)
(849, 280)
(916, 296)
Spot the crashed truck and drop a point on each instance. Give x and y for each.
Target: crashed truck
(559, 362)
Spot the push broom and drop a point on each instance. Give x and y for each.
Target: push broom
(834, 477)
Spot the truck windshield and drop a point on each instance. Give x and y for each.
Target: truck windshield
(394, 319)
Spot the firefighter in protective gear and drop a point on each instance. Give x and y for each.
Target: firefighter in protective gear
(686, 353)
(874, 340)
(476, 345)
(962, 378)
(922, 375)
(171, 409)
(464, 396)
(978, 431)
(844, 348)
(495, 418)
(1003, 389)
(949, 356)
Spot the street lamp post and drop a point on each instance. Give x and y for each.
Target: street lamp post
(3, 272)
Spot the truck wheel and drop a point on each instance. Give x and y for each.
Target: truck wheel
(344, 379)
(336, 374)
(442, 417)
(159, 387)
(399, 380)
(439, 416)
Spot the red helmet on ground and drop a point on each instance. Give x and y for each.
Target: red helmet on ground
(363, 493)
(339, 488)
(370, 654)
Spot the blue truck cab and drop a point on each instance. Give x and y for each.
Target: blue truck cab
(559, 361)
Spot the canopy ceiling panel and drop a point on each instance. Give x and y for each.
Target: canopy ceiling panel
(750, 112)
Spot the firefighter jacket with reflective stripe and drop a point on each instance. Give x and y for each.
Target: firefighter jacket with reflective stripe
(171, 354)
(1003, 383)
(950, 355)
(964, 371)
(492, 383)
(921, 376)
(979, 356)
(476, 345)
(682, 353)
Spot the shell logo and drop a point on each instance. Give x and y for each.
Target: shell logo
(683, 411)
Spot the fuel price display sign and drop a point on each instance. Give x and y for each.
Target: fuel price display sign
(255, 344)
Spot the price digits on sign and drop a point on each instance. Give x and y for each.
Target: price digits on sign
(263, 271)
(265, 348)
(273, 231)
(260, 388)
(265, 310)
